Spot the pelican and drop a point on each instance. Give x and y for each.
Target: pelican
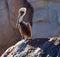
(24, 27)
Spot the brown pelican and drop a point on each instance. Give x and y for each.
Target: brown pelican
(24, 28)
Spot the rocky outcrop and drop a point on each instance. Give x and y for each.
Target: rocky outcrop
(46, 18)
(9, 34)
(33, 48)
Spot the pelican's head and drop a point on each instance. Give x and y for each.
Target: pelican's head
(21, 14)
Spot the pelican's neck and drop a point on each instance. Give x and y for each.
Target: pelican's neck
(21, 18)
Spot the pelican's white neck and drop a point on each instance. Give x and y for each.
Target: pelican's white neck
(20, 20)
(20, 16)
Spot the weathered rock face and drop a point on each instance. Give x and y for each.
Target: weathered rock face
(46, 18)
(9, 35)
(50, 48)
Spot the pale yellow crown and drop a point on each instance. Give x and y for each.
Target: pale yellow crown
(22, 9)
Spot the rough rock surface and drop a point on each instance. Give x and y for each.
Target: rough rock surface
(9, 34)
(46, 18)
(50, 48)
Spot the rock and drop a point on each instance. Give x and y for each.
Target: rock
(24, 49)
(46, 18)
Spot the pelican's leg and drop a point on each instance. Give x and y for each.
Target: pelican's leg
(27, 39)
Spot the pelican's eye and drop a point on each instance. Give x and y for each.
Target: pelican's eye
(21, 13)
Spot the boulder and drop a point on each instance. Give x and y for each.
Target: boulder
(34, 48)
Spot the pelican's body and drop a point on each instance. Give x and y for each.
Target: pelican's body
(24, 28)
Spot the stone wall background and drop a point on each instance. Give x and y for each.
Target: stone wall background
(46, 18)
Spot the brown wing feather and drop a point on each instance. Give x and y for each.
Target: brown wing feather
(25, 30)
